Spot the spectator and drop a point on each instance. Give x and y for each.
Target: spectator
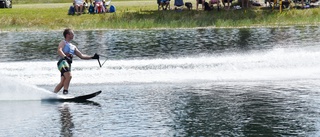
(211, 2)
(164, 4)
(228, 2)
(99, 6)
(200, 2)
(78, 5)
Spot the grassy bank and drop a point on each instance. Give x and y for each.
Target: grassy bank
(144, 15)
(49, 1)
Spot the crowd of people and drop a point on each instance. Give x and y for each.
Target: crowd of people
(208, 5)
(226, 4)
(93, 6)
(205, 5)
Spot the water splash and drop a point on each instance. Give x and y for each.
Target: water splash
(14, 89)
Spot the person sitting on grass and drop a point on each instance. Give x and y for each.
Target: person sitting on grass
(200, 2)
(78, 5)
(229, 2)
(99, 6)
(211, 2)
(164, 4)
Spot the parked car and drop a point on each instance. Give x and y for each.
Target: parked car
(5, 3)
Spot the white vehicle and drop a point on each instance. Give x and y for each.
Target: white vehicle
(5, 3)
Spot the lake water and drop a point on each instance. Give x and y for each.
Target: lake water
(180, 82)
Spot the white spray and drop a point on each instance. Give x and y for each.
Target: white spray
(14, 89)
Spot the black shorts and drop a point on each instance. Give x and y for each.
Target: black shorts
(63, 66)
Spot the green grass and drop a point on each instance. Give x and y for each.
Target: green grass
(144, 15)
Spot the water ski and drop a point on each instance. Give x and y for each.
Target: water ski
(74, 99)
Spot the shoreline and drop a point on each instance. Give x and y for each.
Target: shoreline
(134, 16)
(105, 29)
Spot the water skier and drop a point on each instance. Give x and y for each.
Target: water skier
(66, 51)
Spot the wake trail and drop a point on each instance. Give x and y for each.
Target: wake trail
(267, 65)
